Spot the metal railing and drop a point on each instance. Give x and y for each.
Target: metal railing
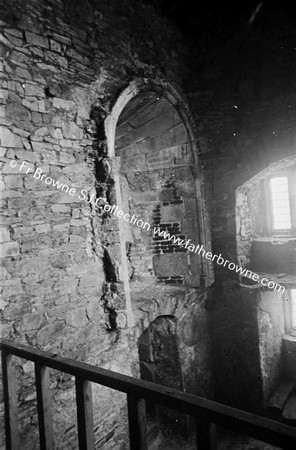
(206, 412)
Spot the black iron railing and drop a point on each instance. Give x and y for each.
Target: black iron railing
(207, 413)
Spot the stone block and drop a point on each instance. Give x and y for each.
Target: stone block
(172, 213)
(67, 158)
(56, 121)
(63, 197)
(32, 322)
(77, 318)
(63, 39)
(16, 111)
(4, 234)
(72, 131)
(41, 147)
(5, 41)
(75, 238)
(37, 51)
(33, 106)
(43, 106)
(61, 227)
(90, 280)
(51, 332)
(77, 223)
(14, 32)
(15, 41)
(29, 245)
(83, 112)
(44, 228)
(11, 287)
(167, 265)
(56, 59)
(9, 249)
(60, 103)
(57, 133)
(9, 139)
(66, 143)
(60, 261)
(35, 39)
(75, 213)
(17, 310)
(3, 303)
(20, 132)
(43, 131)
(48, 67)
(55, 46)
(60, 209)
(20, 57)
(27, 155)
(10, 154)
(34, 90)
(10, 194)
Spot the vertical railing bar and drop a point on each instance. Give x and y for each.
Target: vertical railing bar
(44, 407)
(205, 434)
(10, 402)
(137, 423)
(84, 414)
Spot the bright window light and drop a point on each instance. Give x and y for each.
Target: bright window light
(293, 308)
(280, 203)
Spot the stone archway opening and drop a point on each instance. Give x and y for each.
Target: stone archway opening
(160, 363)
(159, 187)
(159, 354)
(158, 191)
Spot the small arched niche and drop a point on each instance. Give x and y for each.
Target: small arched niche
(160, 192)
(159, 354)
(160, 363)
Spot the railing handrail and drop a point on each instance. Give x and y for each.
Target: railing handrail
(212, 412)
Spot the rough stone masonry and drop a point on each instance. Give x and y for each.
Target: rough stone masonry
(63, 67)
(78, 282)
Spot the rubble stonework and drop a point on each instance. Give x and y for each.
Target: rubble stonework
(64, 65)
(108, 100)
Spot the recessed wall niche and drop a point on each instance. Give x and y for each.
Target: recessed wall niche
(158, 188)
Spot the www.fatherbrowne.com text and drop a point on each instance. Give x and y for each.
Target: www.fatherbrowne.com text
(101, 203)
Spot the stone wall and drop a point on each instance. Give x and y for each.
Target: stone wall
(74, 278)
(65, 64)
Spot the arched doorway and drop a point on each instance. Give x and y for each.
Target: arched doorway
(159, 188)
(160, 363)
(158, 353)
